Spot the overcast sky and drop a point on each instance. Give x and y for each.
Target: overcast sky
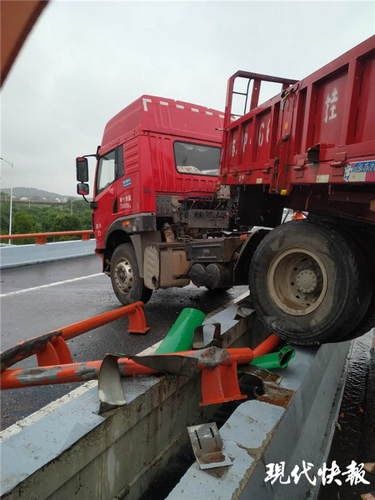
(84, 61)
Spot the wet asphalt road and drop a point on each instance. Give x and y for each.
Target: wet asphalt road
(30, 307)
(354, 438)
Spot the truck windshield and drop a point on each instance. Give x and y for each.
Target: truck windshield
(196, 158)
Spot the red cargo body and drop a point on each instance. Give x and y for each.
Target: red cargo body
(146, 132)
(320, 130)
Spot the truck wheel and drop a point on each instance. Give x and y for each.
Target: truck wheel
(308, 283)
(363, 239)
(126, 282)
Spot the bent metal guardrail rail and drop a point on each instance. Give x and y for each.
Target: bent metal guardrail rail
(41, 238)
(99, 449)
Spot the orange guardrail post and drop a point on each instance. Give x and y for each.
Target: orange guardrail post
(47, 356)
(41, 239)
(62, 349)
(54, 352)
(220, 384)
(135, 312)
(137, 320)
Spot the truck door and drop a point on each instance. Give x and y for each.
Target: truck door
(108, 175)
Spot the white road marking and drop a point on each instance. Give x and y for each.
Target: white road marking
(48, 285)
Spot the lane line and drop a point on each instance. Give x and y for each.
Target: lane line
(48, 285)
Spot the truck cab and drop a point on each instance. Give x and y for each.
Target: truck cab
(156, 175)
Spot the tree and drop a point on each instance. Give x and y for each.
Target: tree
(4, 217)
(66, 222)
(25, 223)
(35, 217)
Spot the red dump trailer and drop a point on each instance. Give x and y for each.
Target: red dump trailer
(311, 148)
(162, 219)
(313, 144)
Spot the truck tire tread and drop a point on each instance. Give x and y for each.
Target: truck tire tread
(138, 291)
(348, 293)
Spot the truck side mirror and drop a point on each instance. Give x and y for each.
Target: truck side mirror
(82, 169)
(83, 188)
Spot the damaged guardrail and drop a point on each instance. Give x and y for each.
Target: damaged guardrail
(218, 366)
(55, 361)
(86, 455)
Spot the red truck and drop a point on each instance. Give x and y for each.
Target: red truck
(156, 176)
(164, 221)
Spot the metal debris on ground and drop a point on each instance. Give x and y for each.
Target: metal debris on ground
(207, 335)
(110, 391)
(208, 446)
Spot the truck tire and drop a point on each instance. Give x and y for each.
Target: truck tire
(308, 283)
(126, 281)
(363, 238)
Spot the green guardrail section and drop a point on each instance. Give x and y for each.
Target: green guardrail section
(180, 336)
(274, 360)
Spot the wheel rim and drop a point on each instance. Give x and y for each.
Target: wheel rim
(297, 281)
(124, 276)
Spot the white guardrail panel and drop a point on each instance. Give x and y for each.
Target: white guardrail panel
(22, 255)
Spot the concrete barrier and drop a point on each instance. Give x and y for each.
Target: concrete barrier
(21, 255)
(273, 431)
(66, 450)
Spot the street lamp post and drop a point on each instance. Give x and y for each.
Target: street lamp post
(10, 201)
(10, 214)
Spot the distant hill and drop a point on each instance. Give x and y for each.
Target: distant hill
(34, 194)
